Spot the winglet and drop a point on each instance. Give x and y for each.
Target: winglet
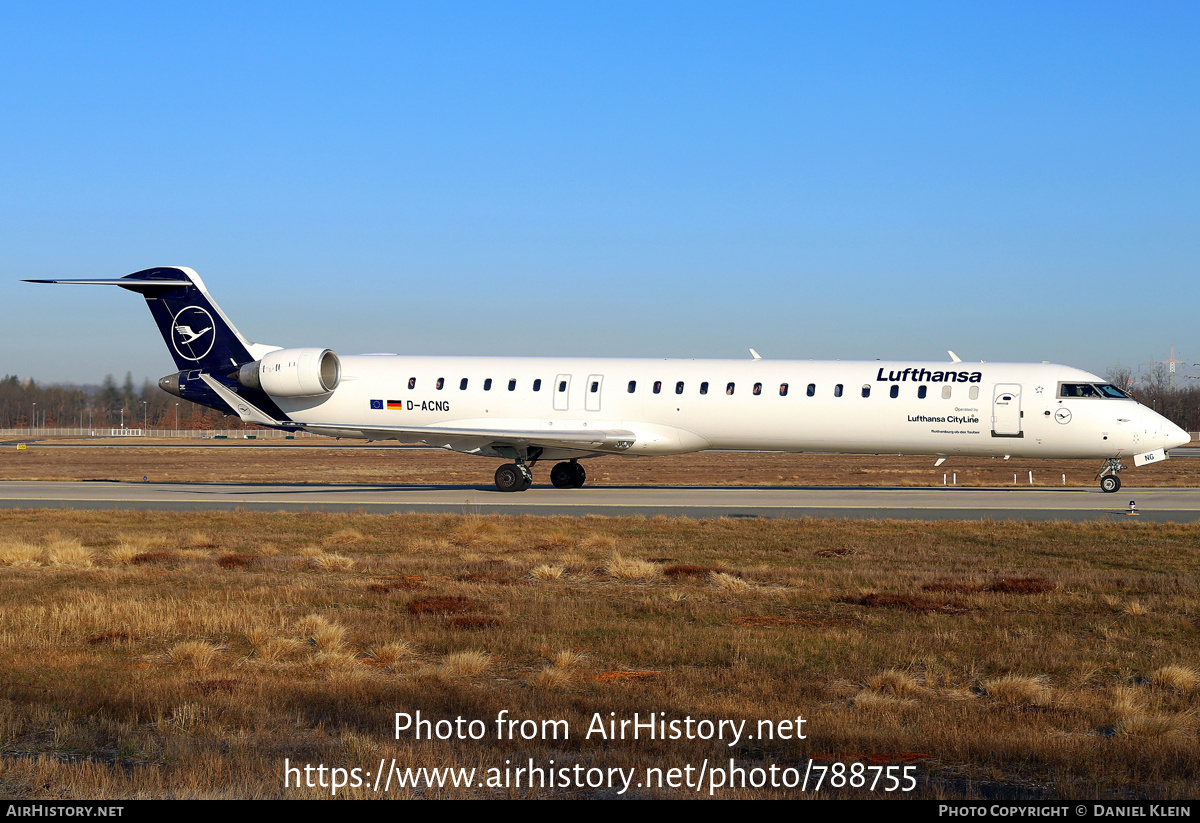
(755, 355)
(954, 358)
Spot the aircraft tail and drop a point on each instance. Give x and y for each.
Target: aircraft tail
(196, 331)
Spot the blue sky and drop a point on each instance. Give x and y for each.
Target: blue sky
(1014, 181)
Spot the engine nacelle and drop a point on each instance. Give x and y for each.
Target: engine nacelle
(293, 373)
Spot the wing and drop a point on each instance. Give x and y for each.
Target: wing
(459, 438)
(471, 438)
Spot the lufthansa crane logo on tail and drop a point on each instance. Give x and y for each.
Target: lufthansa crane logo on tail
(192, 333)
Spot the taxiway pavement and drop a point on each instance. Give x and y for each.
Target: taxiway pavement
(1073, 504)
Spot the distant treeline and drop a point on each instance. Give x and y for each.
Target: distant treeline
(109, 405)
(25, 403)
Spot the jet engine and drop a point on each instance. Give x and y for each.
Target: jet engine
(293, 373)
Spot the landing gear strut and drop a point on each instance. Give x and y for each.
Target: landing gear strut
(1109, 482)
(567, 475)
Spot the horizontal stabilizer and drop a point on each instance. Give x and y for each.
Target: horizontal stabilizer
(139, 286)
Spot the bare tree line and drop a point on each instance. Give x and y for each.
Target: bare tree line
(25, 404)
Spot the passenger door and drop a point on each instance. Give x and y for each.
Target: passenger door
(1006, 410)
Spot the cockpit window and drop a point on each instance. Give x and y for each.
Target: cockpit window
(1091, 390)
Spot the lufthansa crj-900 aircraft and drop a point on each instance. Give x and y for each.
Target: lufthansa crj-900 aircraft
(528, 409)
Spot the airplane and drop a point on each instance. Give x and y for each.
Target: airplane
(529, 409)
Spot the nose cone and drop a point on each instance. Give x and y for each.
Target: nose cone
(1173, 436)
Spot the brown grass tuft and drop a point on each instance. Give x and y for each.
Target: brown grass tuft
(333, 562)
(730, 582)
(1157, 725)
(198, 540)
(199, 654)
(1182, 679)
(389, 654)
(345, 536)
(465, 664)
(1018, 690)
(896, 683)
(625, 568)
(547, 572)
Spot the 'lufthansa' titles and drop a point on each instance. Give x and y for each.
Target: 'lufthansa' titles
(927, 376)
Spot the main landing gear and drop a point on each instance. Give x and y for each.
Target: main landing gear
(569, 475)
(518, 476)
(1109, 482)
(513, 477)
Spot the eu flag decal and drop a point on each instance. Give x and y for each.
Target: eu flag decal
(377, 404)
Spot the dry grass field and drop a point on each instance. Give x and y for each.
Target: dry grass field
(150, 655)
(387, 464)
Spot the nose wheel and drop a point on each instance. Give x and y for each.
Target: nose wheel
(1109, 482)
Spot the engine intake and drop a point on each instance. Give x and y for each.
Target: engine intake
(293, 373)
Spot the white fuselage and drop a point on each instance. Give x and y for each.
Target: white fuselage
(677, 406)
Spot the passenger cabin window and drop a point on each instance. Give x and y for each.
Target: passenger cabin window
(512, 384)
(537, 384)
(679, 387)
(811, 390)
(866, 392)
(922, 391)
(837, 390)
(783, 389)
(729, 389)
(657, 386)
(487, 384)
(462, 384)
(704, 387)
(441, 383)
(412, 382)
(895, 392)
(973, 393)
(946, 392)
(632, 386)
(758, 388)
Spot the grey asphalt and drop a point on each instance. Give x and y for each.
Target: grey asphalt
(1076, 504)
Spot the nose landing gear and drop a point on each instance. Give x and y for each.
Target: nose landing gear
(1109, 482)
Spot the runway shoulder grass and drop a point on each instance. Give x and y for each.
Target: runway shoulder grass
(167, 655)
